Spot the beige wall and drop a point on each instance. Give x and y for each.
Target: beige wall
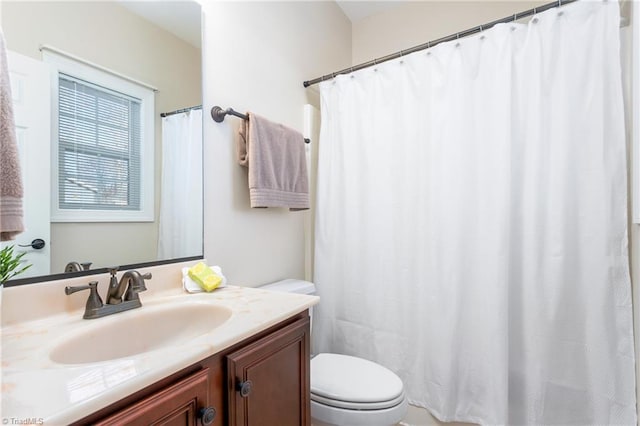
(256, 57)
(109, 35)
(418, 22)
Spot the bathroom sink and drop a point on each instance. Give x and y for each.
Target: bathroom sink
(138, 331)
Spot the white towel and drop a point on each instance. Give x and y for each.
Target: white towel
(191, 286)
(11, 214)
(276, 159)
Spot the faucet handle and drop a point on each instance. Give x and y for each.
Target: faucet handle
(113, 270)
(72, 289)
(93, 301)
(146, 276)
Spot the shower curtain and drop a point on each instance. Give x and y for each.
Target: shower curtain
(180, 232)
(471, 225)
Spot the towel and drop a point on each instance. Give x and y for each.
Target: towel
(275, 157)
(11, 215)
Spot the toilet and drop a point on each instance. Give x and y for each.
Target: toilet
(346, 390)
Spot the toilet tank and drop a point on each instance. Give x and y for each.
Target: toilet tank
(291, 286)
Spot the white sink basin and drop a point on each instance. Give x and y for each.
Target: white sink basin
(137, 331)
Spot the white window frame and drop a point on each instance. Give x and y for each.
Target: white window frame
(635, 84)
(102, 77)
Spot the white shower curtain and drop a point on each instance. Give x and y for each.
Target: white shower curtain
(471, 225)
(180, 232)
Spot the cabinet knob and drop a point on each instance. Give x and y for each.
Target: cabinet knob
(244, 388)
(207, 415)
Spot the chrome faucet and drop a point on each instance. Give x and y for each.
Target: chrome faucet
(77, 267)
(116, 289)
(131, 283)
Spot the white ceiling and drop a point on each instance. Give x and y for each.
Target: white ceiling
(357, 10)
(180, 17)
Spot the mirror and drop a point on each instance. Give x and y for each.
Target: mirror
(155, 44)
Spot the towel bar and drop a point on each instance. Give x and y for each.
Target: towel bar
(218, 115)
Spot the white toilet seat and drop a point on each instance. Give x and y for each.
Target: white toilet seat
(352, 391)
(350, 405)
(351, 379)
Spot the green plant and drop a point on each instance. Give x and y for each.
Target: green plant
(10, 264)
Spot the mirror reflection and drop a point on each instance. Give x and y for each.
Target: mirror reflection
(109, 129)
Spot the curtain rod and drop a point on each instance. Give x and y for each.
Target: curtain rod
(179, 111)
(432, 43)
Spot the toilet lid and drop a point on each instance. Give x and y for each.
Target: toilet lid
(353, 380)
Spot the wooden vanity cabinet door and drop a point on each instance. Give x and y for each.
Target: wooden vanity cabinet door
(176, 405)
(278, 368)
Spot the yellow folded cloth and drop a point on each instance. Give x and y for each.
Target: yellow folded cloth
(204, 276)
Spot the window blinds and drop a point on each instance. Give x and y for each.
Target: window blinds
(99, 164)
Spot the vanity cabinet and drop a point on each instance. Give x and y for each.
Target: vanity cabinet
(268, 381)
(262, 381)
(179, 404)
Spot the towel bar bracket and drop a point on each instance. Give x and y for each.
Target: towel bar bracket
(218, 114)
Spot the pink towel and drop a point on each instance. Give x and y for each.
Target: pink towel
(275, 156)
(11, 221)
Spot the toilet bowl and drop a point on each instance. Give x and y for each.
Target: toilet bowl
(347, 390)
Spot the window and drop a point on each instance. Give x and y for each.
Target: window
(103, 155)
(98, 147)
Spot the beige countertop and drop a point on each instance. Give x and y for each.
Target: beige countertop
(35, 387)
